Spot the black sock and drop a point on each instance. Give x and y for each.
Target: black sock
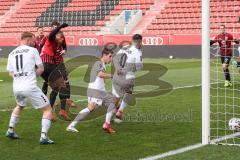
(53, 96)
(63, 98)
(67, 90)
(64, 95)
(227, 74)
(45, 88)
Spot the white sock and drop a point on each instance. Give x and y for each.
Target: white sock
(122, 106)
(13, 120)
(46, 123)
(81, 115)
(111, 111)
(73, 123)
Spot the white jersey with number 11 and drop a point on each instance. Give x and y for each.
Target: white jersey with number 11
(22, 62)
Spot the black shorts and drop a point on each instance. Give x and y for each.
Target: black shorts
(238, 64)
(53, 72)
(225, 59)
(48, 69)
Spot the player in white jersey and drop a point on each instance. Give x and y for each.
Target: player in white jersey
(24, 64)
(97, 94)
(126, 62)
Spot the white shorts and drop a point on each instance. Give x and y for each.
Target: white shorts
(105, 101)
(115, 93)
(95, 100)
(37, 98)
(119, 90)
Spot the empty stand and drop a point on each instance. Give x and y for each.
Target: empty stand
(5, 5)
(184, 17)
(85, 17)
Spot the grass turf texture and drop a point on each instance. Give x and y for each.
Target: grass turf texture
(135, 138)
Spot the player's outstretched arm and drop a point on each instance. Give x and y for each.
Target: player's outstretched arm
(52, 35)
(39, 70)
(104, 75)
(214, 40)
(64, 46)
(236, 41)
(211, 42)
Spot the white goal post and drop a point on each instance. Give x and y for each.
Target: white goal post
(205, 71)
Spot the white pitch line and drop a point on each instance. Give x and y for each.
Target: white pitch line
(190, 86)
(10, 109)
(174, 152)
(217, 140)
(5, 110)
(81, 100)
(189, 148)
(182, 87)
(175, 88)
(84, 100)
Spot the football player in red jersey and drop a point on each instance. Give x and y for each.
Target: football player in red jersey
(52, 56)
(38, 39)
(225, 41)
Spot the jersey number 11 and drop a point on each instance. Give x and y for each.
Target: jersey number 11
(19, 62)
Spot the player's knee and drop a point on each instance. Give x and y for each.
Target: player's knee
(116, 101)
(18, 109)
(129, 99)
(47, 112)
(92, 106)
(46, 109)
(63, 96)
(225, 66)
(111, 107)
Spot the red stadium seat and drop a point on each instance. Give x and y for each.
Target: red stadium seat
(178, 16)
(184, 17)
(27, 15)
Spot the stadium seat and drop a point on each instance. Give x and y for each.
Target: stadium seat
(182, 16)
(90, 13)
(5, 5)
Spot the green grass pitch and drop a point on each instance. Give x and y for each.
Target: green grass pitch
(177, 123)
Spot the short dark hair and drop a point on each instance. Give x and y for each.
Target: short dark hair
(27, 35)
(107, 51)
(39, 28)
(137, 37)
(55, 23)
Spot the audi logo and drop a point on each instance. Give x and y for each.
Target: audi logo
(152, 41)
(88, 42)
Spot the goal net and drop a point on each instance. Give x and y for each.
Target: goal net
(224, 96)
